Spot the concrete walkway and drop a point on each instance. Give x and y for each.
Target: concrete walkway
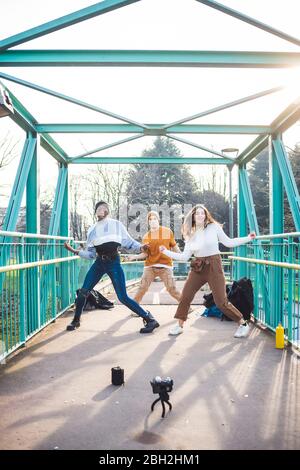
(228, 393)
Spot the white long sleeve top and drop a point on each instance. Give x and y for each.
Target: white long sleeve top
(104, 231)
(206, 243)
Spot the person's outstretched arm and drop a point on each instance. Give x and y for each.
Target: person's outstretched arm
(176, 249)
(128, 242)
(233, 242)
(70, 248)
(89, 252)
(181, 256)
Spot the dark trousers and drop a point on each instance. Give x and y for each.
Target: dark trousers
(115, 272)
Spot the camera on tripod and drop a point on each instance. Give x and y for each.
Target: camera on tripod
(160, 385)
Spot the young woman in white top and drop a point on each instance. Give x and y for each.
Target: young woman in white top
(203, 234)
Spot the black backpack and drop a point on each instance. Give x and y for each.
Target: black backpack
(240, 294)
(209, 299)
(95, 300)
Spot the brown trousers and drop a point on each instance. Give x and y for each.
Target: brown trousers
(149, 274)
(212, 273)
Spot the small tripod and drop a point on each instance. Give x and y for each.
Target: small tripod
(163, 398)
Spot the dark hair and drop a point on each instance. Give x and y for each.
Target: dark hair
(101, 203)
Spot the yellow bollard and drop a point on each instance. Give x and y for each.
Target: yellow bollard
(280, 336)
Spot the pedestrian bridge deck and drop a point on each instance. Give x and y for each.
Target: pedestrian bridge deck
(228, 393)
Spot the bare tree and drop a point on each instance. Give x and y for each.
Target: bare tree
(8, 149)
(107, 183)
(215, 179)
(46, 205)
(78, 222)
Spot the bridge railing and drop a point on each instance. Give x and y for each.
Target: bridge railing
(38, 280)
(272, 262)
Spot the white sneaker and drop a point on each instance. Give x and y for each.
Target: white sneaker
(242, 331)
(176, 330)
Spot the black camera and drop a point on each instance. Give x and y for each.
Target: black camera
(160, 385)
(117, 376)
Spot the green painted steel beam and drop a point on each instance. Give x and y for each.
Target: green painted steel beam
(141, 58)
(244, 186)
(69, 99)
(64, 215)
(52, 147)
(201, 147)
(154, 129)
(28, 123)
(240, 268)
(276, 208)
(154, 160)
(33, 195)
(250, 20)
(276, 226)
(216, 109)
(105, 147)
(64, 231)
(55, 220)
(97, 9)
(259, 144)
(21, 115)
(289, 182)
(287, 118)
(20, 182)
(246, 217)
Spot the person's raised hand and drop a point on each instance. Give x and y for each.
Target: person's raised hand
(145, 248)
(70, 248)
(128, 257)
(252, 235)
(67, 246)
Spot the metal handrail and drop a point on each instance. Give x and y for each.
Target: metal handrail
(278, 235)
(269, 263)
(32, 235)
(34, 264)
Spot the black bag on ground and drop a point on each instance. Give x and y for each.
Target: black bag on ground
(240, 294)
(209, 299)
(95, 300)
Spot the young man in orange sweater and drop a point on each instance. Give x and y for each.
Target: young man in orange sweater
(156, 263)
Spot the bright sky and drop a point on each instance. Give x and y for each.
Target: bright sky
(152, 95)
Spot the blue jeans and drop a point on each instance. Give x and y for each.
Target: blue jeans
(116, 274)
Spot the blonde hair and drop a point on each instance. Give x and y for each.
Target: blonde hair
(152, 214)
(189, 224)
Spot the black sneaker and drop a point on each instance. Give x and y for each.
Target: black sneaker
(150, 326)
(73, 325)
